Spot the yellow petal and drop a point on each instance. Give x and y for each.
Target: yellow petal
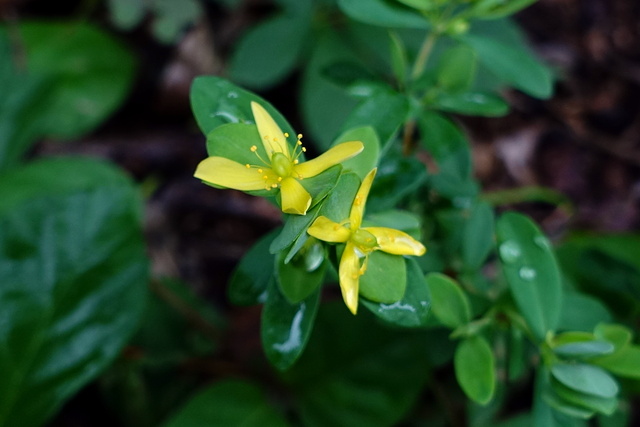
(325, 229)
(227, 173)
(333, 156)
(396, 242)
(357, 208)
(349, 272)
(295, 199)
(272, 136)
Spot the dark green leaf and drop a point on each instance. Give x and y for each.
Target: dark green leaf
(383, 13)
(475, 369)
(624, 362)
(477, 241)
(413, 309)
(584, 349)
(447, 144)
(269, 51)
(450, 303)
(472, 104)
(249, 281)
(589, 402)
(456, 69)
(72, 252)
(90, 74)
(216, 101)
(356, 372)
(618, 335)
(581, 312)
(228, 403)
(286, 327)
(530, 268)
(492, 9)
(510, 59)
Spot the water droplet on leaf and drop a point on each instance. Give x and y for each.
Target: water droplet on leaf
(527, 273)
(510, 251)
(542, 242)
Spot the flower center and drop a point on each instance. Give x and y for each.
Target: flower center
(364, 240)
(281, 165)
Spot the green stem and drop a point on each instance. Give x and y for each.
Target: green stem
(423, 55)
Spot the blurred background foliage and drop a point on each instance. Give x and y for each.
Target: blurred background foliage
(114, 260)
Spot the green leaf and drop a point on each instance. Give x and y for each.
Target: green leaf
(285, 327)
(419, 4)
(589, 402)
(543, 414)
(581, 312)
(624, 362)
(447, 144)
(234, 141)
(399, 61)
(126, 14)
(510, 59)
(171, 18)
(74, 276)
(585, 378)
(303, 274)
(450, 304)
(475, 369)
(383, 13)
(384, 110)
(268, 52)
(413, 309)
(584, 349)
(228, 403)
(385, 280)
(531, 271)
(216, 101)
(493, 9)
(400, 220)
(618, 335)
(357, 372)
(368, 158)
(251, 277)
(89, 74)
(472, 104)
(456, 69)
(477, 240)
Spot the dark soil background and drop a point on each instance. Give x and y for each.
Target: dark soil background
(583, 142)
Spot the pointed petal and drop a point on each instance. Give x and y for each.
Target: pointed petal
(357, 208)
(396, 242)
(295, 199)
(349, 272)
(325, 229)
(272, 136)
(227, 173)
(333, 156)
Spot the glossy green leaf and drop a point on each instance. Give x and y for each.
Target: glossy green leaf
(419, 4)
(472, 104)
(269, 51)
(286, 327)
(383, 13)
(448, 145)
(413, 309)
(456, 69)
(172, 18)
(216, 101)
(624, 362)
(399, 60)
(531, 271)
(361, 164)
(126, 14)
(385, 280)
(251, 277)
(585, 378)
(512, 61)
(228, 403)
(584, 349)
(89, 74)
(477, 240)
(543, 414)
(303, 274)
(450, 304)
(589, 402)
(74, 276)
(400, 220)
(475, 369)
(357, 372)
(348, 74)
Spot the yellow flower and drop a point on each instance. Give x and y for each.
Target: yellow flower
(281, 169)
(360, 242)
